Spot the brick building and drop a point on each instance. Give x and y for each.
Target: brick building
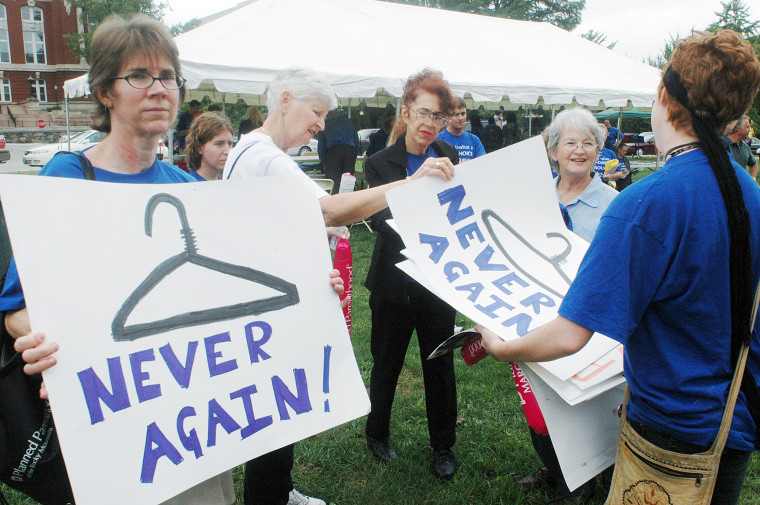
(34, 60)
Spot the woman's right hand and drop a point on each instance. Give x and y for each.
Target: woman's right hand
(439, 167)
(36, 352)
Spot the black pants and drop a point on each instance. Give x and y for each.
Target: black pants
(545, 450)
(392, 326)
(733, 463)
(267, 478)
(338, 161)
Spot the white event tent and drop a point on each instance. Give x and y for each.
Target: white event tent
(368, 48)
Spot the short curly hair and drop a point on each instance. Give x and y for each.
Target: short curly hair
(203, 129)
(721, 74)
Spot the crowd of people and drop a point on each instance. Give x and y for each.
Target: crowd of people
(683, 244)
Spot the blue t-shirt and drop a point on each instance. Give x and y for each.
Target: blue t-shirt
(665, 243)
(68, 165)
(605, 155)
(415, 161)
(468, 145)
(613, 134)
(195, 175)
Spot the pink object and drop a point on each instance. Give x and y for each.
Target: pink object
(344, 264)
(528, 401)
(473, 350)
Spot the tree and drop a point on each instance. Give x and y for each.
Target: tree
(661, 59)
(735, 16)
(95, 12)
(181, 28)
(563, 13)
(598, 38)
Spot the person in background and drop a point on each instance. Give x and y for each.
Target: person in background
(400, 305)
(573, 141)
(476, 126)
(498, 118)
(184, 121)
(491, 136)
(215, 108)
(252, 120)
(739, 149)
(607, 165)
(379, 140)
(627, 179)
(338, 147)
(298, 101)
(613, 135)
(208, 144)
(510, 131)
(686, 263)
(467, 145)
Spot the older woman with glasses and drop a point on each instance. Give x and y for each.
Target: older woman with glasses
(399, 304)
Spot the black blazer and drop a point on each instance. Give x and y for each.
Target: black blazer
(384, 278)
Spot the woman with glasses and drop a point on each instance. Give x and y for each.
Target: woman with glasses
(399, 304)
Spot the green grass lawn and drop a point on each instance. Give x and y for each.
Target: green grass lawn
(493, 447)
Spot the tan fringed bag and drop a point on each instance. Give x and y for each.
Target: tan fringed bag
(648, 475)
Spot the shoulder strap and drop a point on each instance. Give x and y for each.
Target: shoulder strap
(87, 170)
(238, 158)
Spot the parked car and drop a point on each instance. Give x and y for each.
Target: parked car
(39, 156)
(5, 154)
(754, 145)
(364, 138)
(304, 149)
(638, 145)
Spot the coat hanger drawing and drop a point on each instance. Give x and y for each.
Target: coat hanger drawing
(122, 333)
(556, 260)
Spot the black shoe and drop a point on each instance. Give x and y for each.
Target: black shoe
(444, 464)
(382, 448)
(539, 479)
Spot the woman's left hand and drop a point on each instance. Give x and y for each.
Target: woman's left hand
(438, 167)
(337, 284)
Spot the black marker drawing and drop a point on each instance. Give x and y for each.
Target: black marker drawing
(123, 333)
(555, 261)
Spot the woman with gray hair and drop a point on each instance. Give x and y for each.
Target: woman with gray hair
(573, 141)
(298, 102)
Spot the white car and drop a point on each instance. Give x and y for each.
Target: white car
(39, 156)
(305, 149)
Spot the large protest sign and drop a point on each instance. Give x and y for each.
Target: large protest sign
(492, 243)
(196, 323)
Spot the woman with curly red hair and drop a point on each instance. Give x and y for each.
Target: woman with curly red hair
(399, 304)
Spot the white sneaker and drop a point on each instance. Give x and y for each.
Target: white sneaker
(296, 498)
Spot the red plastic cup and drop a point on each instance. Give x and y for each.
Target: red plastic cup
(473, 350)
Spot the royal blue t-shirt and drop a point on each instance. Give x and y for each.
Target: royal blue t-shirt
(195, 175)
(605, 155)
(415, 161)
(664, 242)
(467, 145)
(68, 165)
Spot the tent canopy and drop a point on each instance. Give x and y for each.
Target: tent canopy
(368, 48)
(612, 113)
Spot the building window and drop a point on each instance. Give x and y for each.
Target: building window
(5, 90)
(5, 47)
(33, 26)
(37, 89)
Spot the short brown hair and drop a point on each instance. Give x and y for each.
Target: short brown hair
(116, 41)
(430, 81)
(203, 129)
(721, 74)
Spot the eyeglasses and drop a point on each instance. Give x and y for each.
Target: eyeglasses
(423, 114)
(141, 80)
(586, 145)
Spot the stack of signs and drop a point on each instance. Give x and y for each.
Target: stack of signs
(493, 244)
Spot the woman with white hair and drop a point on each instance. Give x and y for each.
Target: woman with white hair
(298, 102)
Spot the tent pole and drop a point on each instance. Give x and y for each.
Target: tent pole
(68, 133)
(398, 107)
(530, 121)
(552, 112)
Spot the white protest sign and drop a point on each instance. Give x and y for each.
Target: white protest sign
(181, 354)
(492, 243)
